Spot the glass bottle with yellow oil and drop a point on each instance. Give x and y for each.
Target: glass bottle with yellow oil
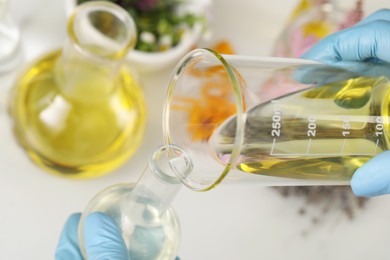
(79, 112)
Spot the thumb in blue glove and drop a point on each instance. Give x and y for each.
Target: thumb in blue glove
(103, 239)
(373, 178)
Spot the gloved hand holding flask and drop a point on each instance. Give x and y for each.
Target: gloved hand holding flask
(103, 239)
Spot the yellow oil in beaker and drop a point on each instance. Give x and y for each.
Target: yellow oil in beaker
(323, 132)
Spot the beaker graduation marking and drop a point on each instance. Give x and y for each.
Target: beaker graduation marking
(312, 131)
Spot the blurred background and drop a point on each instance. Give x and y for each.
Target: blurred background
(230, 222)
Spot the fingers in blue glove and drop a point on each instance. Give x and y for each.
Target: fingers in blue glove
(373, 178)
(68, 245)
(382, 14)
(103, 239)
(368, 40)
(358, 51)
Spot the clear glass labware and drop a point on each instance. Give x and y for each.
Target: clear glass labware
(79, 111)
(149, 225)
(10, 49)
(275, 121)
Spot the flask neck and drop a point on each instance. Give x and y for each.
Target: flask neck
(158, 181)
(79, 76)
(100, 34)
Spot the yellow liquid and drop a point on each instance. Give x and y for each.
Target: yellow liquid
(79, 136)
(325, 132)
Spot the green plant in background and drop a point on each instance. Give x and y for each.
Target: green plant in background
(160, 27)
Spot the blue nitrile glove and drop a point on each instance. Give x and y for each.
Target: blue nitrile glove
(103, 239)
(365, 49)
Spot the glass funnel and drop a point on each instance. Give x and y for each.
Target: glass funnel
(78, 111)
(275, 121)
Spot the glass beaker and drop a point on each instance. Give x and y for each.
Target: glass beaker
(149, 225)
(277, 121)
(79, 111)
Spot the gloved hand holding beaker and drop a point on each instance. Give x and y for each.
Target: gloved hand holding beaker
(365, 48)
(102, 239)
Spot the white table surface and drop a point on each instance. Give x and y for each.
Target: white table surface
(230, 222)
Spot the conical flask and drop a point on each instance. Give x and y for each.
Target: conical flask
(78, 111)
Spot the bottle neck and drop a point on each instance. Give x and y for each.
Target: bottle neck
(100, 34)
(158, 184)
(159, 193)
(79, 76)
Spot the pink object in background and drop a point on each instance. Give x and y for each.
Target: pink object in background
(353, 16)
(322, 19)
(301, 43)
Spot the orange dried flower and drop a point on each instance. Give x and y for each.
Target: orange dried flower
(223, 47)
(213, 106)
(208, 111)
